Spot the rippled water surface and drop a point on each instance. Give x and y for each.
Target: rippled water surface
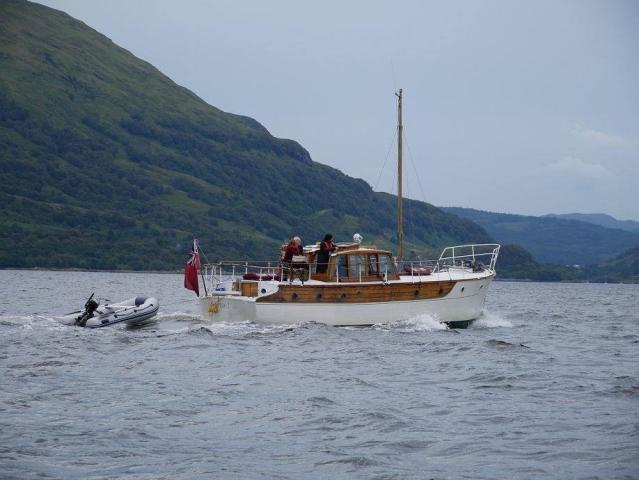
(545, 385)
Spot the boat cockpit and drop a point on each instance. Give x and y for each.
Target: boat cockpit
(350, 262)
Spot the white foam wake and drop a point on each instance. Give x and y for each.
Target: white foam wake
(491, 320)
(419, 323)
(30, 322)
(177, 316)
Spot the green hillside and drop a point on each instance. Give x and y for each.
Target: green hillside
(622, 268)
(107, 163)
(553, 240)
(600, 219)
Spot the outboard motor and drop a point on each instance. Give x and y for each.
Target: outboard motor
(89, 307)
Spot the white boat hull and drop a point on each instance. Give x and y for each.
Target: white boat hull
(463, 304)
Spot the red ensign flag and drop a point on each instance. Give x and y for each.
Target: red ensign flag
(190, 270)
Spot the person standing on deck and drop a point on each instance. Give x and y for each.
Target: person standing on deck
(326, 247)
(293, 248)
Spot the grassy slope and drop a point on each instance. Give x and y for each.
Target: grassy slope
(107, 163)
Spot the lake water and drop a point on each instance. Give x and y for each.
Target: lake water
(545, 385)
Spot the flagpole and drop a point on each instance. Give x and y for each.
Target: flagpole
(206, 294)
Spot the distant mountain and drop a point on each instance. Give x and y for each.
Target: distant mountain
(602, 219)
(553, 240)
(517, 263)
(107, 163)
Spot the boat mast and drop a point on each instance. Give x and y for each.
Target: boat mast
(400, 226)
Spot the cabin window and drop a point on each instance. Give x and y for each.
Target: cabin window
(358, 265)
(342, 265)
(373, 264)
(385, 265)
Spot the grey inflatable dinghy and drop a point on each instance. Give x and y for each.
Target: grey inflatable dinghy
(133, 311)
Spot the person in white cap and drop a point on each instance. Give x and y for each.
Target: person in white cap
(293, 248)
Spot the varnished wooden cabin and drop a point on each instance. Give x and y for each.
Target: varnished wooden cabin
(351, 262)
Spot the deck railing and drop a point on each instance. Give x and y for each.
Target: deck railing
(242, 267)
(476, 256)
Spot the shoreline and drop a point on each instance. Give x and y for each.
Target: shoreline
(180, 271)
(86, 270)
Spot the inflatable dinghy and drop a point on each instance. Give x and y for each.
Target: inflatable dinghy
(133, 311)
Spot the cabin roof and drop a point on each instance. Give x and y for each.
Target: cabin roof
(363, 249)
(348, 248)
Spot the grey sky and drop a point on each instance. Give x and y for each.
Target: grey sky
(521, 107)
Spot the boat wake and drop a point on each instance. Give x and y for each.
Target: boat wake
(29, 322)
(491, 320)
(177, 317)
(418, 323)
(163, 324)
(179, 323)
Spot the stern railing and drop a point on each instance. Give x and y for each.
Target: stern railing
(223, 271)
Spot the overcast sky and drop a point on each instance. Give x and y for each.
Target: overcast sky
(520, 107)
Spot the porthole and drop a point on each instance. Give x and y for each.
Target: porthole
(263, 291)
